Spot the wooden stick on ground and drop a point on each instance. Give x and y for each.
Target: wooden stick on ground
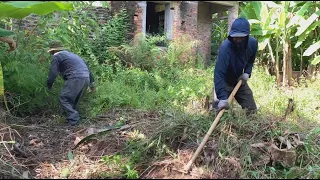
(214, 124)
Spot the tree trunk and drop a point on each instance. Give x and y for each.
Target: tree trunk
(285, 65)
(277, 62)
(289, 70)
(301, 62)
(311, 71)
(301, 66)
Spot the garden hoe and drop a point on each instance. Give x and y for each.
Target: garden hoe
(214, 124)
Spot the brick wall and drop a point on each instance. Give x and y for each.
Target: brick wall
(102, 14)
(132, 9)
(185, 21)
(138, 20)
(29, 22)
(185, 18)
(189, 17)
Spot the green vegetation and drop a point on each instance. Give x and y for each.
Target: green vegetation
(139, 75)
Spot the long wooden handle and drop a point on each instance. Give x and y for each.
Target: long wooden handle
(214, 124)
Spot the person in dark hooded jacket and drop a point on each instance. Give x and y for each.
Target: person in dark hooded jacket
(235, 61)
(76, 75)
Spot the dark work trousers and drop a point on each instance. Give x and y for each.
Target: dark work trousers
(244, 97)
(70, 95)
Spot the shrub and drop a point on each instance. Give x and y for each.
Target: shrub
(26, 69)
(114, 33)
(142, 52)
(181, 51)
(25, 72)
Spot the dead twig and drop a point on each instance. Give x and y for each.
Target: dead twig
(153, 167)
(18, 125)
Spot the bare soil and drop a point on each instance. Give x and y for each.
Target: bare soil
(42, 147)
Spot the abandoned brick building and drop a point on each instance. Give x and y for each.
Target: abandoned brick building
(179, 17)
(172, 17)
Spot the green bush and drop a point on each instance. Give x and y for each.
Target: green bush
(142, 52)
(114, 33)
(26, 69)
(25, 72)
(180, 51)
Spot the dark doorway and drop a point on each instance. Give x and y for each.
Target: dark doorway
(155, 18)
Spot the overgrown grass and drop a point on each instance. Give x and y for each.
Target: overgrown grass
(172, 93)
(142, 76)
(170, 89)
(143, 90)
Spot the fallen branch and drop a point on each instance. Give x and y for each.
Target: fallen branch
(10, 142)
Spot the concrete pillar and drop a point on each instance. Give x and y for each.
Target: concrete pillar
(232, 15)
(168, 26)
(143, 5)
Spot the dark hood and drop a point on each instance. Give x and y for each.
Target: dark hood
(240, 28)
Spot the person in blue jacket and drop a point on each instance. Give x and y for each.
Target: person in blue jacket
(76, 75)
(235, 61)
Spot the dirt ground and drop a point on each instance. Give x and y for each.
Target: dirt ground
(43, 150)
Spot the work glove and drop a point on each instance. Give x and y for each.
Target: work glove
(244, 77)
(215, 104)
(223, 104)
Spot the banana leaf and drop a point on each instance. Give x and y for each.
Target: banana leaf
(306, 33)
(313, 48)
(306, 23)
(316, 60)
(4, 32)
(21, 9)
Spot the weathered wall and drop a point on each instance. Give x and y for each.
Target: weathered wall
(185, 18)
(232, 15)
(185, 22)
(29, 22)
(189, 17)
(132, 9)
(205, 30)
(138, 19)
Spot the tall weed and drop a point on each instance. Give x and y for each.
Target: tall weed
(112, 34)
(181, 51)
(26, 69)
(142, 52)
(25, 72)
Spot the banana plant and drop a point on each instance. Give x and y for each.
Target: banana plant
(21, 9)
(262, 16)
(306, 27)
(280, 22)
